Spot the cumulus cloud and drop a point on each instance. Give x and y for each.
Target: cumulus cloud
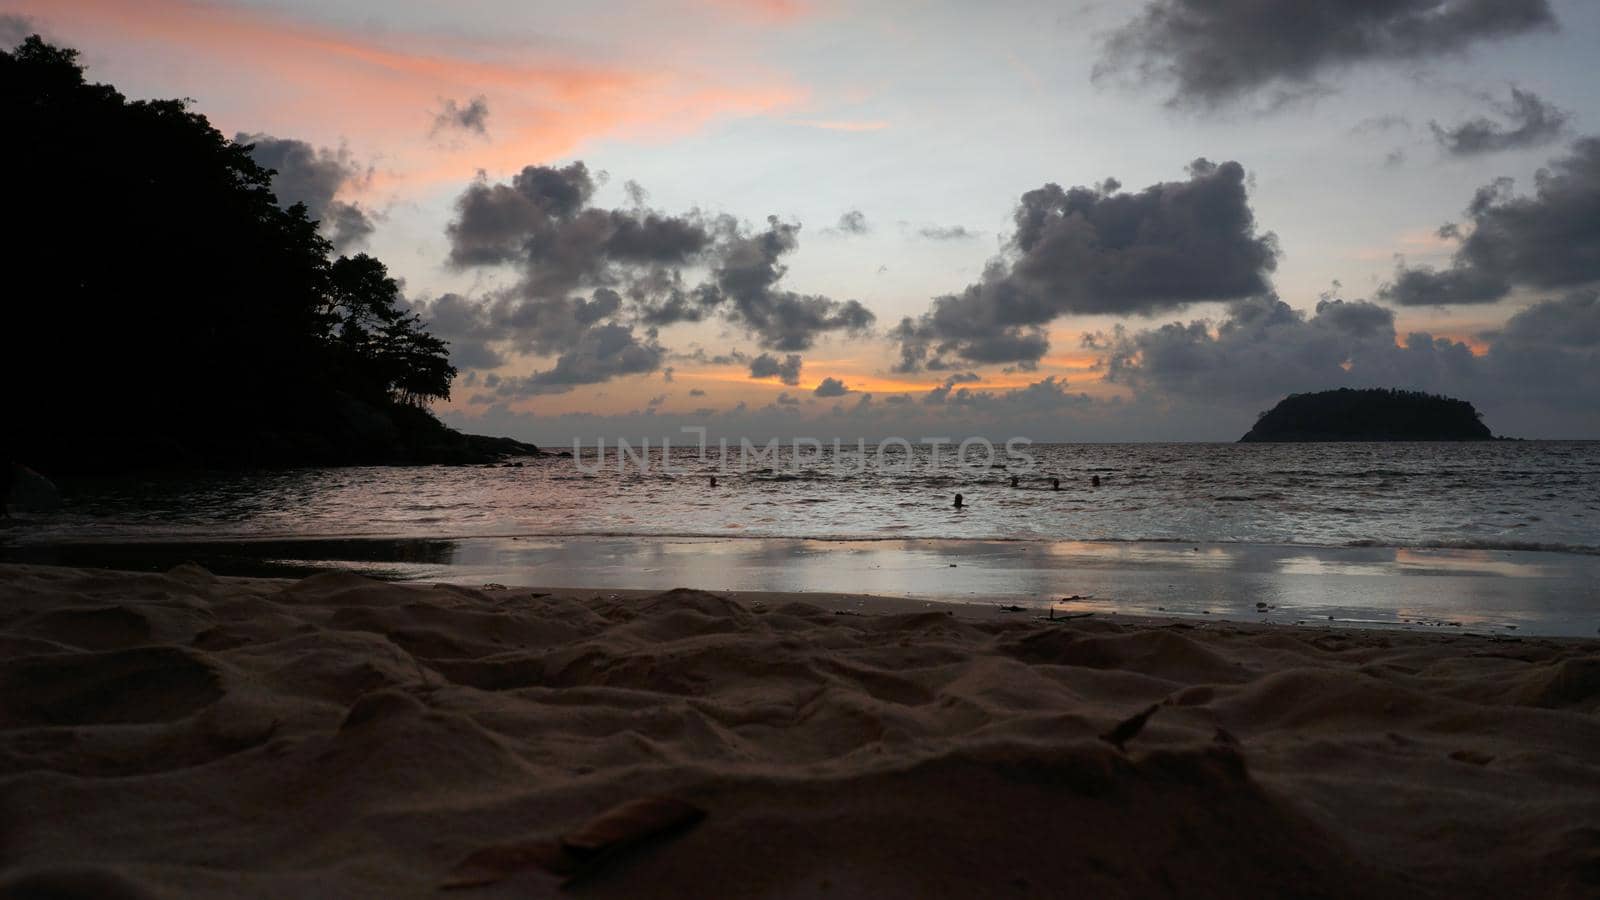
(853, 222)
(830, 387)
(1217, 51)
(543, 222)
(1548, 240)
(786, 370)
(472, 117)
(1533, 122)
(313, 177)
(1098, 250)
(746, 277)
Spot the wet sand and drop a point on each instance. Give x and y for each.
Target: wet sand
(1483, 591)
(182, 734)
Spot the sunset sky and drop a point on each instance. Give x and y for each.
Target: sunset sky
(1070, 221)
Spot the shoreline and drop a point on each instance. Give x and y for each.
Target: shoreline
(384, 739)
(1492, 591)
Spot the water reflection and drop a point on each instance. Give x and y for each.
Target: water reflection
(1537, 593)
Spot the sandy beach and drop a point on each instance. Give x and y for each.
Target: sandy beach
(184, 734)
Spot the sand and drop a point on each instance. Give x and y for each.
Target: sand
(188, 735)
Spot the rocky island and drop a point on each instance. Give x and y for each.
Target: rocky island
(1373, 414)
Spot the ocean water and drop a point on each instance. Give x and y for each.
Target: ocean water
(1502, 537)
(1496, 495)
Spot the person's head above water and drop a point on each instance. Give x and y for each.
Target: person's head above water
(1055, 484)
(958, 501)
(1013, 481)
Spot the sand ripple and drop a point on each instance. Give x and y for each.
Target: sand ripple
(184, 735)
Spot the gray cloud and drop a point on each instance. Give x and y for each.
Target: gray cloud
(1097, 250)
(1047, 396)
(786, 370)
(853, 222)
(472, 116)
(542, 222)
(15, 29)
(601, 353)
(1216, 51)
(1533, 122)
(304, 174)
(464, 323)
(1548, 240)
(1571, 322)
(539, 325)
(947, 233)
(746, 277)
(830, 387)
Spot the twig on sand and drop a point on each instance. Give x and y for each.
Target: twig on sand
(1127, 729)
(1064, 617)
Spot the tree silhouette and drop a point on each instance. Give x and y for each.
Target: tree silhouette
(162, 308)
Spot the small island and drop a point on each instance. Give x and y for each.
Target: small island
(1373, 414)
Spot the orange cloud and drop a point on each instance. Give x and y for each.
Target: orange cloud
(842, 124)
(771, 10)
(258, 71)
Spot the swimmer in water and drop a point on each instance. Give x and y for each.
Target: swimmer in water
(1095, 480)
(713, 481)
(958, 501)
(1055, 484)
(1013, 481)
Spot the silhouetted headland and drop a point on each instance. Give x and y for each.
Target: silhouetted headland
(1373, 414)
(194, 321)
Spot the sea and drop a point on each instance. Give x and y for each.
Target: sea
(1500, 536)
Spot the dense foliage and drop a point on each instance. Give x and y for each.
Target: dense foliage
(161, 307)
(1376, 414)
